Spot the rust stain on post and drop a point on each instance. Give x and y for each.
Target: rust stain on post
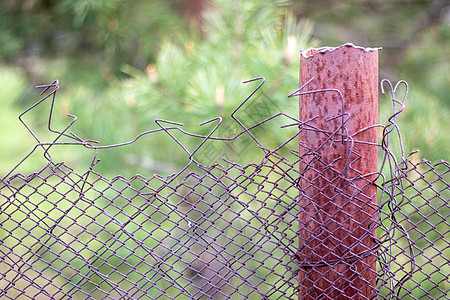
(338, 200)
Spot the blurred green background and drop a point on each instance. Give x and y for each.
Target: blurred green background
(123, 64)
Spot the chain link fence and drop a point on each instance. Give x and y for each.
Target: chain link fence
(414, 232)
(224, 231)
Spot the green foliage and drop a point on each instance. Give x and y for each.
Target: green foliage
(197, 78)
(106, 33)
(14, 139)
(81, 43)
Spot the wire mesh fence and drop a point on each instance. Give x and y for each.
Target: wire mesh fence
(414, 254)
(226, 230)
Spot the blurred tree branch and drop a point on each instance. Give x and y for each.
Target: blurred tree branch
(429, 18)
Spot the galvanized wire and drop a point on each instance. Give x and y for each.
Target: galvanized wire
(223, 231)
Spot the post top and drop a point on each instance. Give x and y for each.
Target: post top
(312, 51)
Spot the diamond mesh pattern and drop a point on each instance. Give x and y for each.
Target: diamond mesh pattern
(414, 232)
(222, 232)
(208, 235)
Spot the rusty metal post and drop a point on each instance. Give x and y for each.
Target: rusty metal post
(338, 162)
